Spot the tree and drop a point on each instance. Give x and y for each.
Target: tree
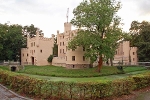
(50, 58)
(99, 29)
(31, 30)
(11, 41)
(140, 33)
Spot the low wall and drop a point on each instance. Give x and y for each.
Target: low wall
(16, 67)
(77, 66)
(59, 61)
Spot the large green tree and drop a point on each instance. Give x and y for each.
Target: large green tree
(11, 41)
(140, 33)
(99, 29)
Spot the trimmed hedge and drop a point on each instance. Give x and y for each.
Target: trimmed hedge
(67, 90)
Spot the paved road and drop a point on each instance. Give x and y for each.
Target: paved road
(143, 96)
(6, 94)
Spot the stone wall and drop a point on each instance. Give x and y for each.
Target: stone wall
(77, 66)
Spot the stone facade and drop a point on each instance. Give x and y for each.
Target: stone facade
(77, 66)
(38, 50)
(69, 58)
(126, 54)
(75, 58)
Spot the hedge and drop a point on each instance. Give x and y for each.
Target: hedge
(75, 91)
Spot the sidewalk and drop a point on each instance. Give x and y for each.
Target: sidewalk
(6, 94)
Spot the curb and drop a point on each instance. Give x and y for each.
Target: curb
(21, 97)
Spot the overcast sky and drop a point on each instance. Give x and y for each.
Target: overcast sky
(50, 15)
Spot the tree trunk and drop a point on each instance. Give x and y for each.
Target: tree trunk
(111, 61)
(100, 63)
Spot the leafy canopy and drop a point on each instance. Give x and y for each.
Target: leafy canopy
(98, 26)
(140, 33)
(11, 41)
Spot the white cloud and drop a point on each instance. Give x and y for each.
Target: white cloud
(134, 10)
(50, 15)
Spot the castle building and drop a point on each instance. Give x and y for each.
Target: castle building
(126, 54)
(37, 51)
(40, 48)
(75, 58)
(69, 58)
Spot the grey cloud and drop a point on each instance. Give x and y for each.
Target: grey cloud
(143, 7)
(29, 6)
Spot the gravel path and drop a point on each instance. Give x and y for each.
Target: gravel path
(6, 94)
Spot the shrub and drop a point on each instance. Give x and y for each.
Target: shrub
(50, 58)
(69, 90)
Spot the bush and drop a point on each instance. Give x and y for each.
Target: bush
(141, 80)
(69, 90)
(50, 58)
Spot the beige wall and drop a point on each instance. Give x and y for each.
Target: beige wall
(65, 58)
(41, 48)
(64, 55)
(133, 54)
(78, 53)
(24, 57)
(38, 50)
(125, 53)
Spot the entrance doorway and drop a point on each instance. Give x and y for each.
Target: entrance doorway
(32, 59)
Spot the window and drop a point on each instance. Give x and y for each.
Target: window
(34, 43)
(133, 59)
(60, 50)
(41, 51)
(116, 52)
(83, 58)
(27, 54)
(26, 60)
(63, 43)
(31, 44)
(63, 51)
(73, 58)
(23, 54)
(66, 48)
(133, 53)
(60, 43)
(34, 51)
(66, 58)
(63, 36)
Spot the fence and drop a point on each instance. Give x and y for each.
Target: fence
(131, 64)
(9, 62)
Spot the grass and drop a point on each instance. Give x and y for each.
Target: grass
(128, 69)
(87, 79)
(64, 72)
(54, 73)
(4, 67)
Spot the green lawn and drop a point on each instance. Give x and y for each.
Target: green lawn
(4, 67)
(64, 72)
(54, 73)
(88, 79)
